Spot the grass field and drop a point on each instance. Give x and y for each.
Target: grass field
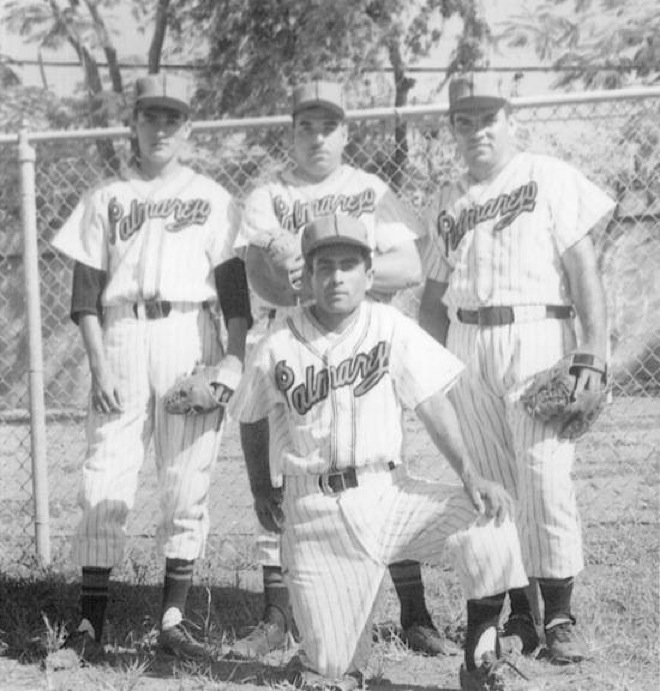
(616, 596)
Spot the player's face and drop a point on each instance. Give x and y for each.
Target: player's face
(319, 138)
(484, 138)
(161, 134)
(339, 280)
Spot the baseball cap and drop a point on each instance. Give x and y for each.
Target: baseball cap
(475, 90)
(334, 230)
(322, 94)
(162, 89)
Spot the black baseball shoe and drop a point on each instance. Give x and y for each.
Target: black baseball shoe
(177, 641)
(427, 640)
(563, 644)
(495, 674)
(519, 635)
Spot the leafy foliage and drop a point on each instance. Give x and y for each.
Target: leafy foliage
(601, 44)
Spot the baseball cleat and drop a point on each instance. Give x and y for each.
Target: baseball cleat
(519, 635)
(563, 643)
(267, 637)
(305, 679)
(178, 642)
(495, 674)
(426, 639)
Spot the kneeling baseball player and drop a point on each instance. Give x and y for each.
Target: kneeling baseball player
(348, 509)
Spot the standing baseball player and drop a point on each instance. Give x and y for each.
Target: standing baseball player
(510, 263)
(151, 251)
(348, 508)
(319, 184)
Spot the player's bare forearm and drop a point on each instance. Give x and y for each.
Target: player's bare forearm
(398, 268)
(105, 395)
(433, 316)
(588, 295)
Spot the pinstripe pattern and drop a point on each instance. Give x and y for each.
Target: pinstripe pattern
(335, 549)
(155, 239)
(186, 447)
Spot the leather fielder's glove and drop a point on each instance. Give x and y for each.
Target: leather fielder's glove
(208, 387)
(552, 398)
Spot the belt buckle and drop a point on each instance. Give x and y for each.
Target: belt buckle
(154, 309)
(334, 483)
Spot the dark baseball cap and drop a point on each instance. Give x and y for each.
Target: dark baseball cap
(334, 230)
(475, 91)
(164, 90)
(320, 94)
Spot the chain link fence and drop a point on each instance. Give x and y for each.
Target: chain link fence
(612, 138)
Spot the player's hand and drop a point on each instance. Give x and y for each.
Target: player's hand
(268, 506)
(489, 498)
(105, 393)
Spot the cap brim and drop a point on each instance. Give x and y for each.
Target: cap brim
(478, 103)
(326, 105)
(336, 240)
(163, 102)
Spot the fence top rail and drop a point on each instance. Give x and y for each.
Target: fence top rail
(387, 112)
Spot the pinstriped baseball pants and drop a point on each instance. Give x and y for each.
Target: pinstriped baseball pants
(336, 549)
(146, 356)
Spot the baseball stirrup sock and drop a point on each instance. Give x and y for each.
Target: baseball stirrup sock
(520, 604)
(407, 580)
(557, 594)
(94, 597)
(482, 619)
(178, 581)
(276, 594)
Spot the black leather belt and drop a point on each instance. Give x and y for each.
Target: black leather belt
(498, 315)
(333, 483)
(157, 309)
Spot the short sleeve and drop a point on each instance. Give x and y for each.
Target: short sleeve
(421, 367)
(83, 235)
(256, 396)
(577, 204)
(258, 220)
(225, 227)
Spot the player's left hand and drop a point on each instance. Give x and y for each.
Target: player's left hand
(489, 498)
(268, 506)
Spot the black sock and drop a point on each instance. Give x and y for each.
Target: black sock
(557, 594)
(481, 615)
(519, 601)
(178, 581)
(407, 580)
(94, 597)
(276, 595)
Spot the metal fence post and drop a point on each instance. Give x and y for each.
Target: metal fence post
(27, 157)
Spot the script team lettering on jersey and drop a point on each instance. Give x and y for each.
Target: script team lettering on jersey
(184, 213)
(369, 368)
(507, 206)
(292, 219)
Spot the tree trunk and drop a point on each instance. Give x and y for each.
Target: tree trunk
(402, 87)
(158, 38)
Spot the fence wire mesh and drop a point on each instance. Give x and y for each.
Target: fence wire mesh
(614, 142)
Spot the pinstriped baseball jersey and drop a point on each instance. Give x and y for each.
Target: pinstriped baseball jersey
(366, 372)
(154, 238)
(289, 202)
(339, 398)
(500, 242)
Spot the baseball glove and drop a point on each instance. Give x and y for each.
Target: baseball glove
(551, 395)
(207, 388)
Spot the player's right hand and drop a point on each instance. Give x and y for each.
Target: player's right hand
(489, 498)
(268, 507)
(105, 394)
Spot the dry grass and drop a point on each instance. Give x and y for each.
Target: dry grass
(616, 597)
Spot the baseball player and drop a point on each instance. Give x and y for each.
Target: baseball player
(509, 264)
(320, 184)
(151, 251)
(348, 508)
